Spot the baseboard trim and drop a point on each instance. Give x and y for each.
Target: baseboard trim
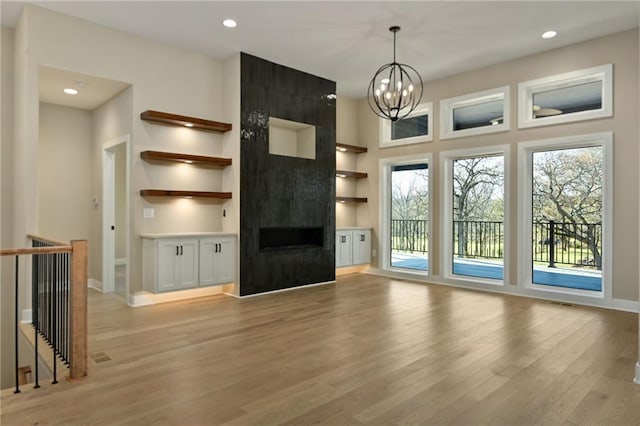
(94, 284)
(144, 298)
(351, 269)
(614, 304)
(283, 290)
(637, 379)
(626, 305)
(26, 316)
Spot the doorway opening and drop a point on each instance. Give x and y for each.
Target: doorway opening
(115, 223)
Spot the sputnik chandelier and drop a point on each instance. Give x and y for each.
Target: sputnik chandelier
(395, 89)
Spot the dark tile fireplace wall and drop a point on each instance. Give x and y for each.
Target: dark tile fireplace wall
(279, 192)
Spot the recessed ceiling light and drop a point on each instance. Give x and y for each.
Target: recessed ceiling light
(229, 23)
(342, 149)
(70, 91)
(188, 124)
(549, 34)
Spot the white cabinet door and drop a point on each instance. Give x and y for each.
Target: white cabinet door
(188, 261)
(167, 252)
(208, 252)
(177, 263)
(361, 247)
(217, 261)
(226, 261)
(344, 255)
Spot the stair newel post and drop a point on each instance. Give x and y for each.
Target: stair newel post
(78, 359)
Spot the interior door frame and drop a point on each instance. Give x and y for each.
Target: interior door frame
(109, 211)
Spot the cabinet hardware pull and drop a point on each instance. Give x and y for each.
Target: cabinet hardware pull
(177, 250)
(181, 250)
(220, 247)
(362, 237)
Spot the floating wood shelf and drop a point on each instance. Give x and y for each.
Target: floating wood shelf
(185, 121)
(170, 193)
(351, 199)
(185, 158)
(348, 174)
(350, 148)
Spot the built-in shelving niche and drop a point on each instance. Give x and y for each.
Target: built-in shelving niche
(353, 149)
(159, 156)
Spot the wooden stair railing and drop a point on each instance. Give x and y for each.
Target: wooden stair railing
(59, 302)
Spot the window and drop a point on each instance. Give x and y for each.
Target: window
(475, 114)
(474, 214)
(580, 95)
(565, 188)
(415, 128)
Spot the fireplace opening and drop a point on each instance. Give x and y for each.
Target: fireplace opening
(290, 238)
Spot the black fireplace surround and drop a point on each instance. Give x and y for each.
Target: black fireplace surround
(287, 204)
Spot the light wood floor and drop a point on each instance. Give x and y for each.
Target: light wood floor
(368, 350)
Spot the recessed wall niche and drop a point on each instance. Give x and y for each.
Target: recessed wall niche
(292, 139)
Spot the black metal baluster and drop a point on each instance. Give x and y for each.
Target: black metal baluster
(17, 323)
(36, 313)
(54, 318)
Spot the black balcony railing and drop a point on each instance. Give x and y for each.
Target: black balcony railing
(478, 239)
(575, 244)
(410, 235)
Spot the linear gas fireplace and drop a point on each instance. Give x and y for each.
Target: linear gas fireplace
(290, 238)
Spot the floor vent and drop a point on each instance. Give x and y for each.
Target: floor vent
(100, 357)
(562, 303)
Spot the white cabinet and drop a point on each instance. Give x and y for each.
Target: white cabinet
(171, 263)
(353, 247)
(177, 264)
(361, 246)
(344, 248)
(217, 260)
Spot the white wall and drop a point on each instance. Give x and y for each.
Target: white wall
(620, 49)
(163, 78)
(121, 200)
(6, 201)
(65, 153)
(231, 149)
(111, 120)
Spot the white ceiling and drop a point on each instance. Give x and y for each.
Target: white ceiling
(92, 91)
(347, 41)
